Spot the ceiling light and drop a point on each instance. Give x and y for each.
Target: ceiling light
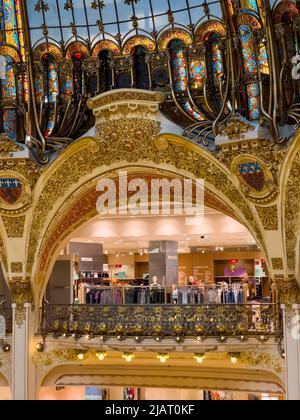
(234, 357)
(128, 357)
(101, 355)
(81, 354)
(163, 357)
(200, 357)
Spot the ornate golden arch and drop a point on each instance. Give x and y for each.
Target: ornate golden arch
(105, 45)
(11, 52)
(47, 48)
(75, 171)
(77, 47)
(137, 41)
(208, 28)
(176, 33)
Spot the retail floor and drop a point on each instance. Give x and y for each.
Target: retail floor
(146, 394)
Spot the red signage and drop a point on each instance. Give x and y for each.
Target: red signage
(119, 266)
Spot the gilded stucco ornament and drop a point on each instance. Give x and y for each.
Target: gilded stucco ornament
(45, 360)
(292, 211)
(256, 180)
(235, 128)
(21, 293)
(268, 217)
(262, 360)
(16, 267)
(288, 290)
(8, 147)
(14, 226)
(277, 263)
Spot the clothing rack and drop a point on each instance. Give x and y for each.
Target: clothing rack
(143, 295)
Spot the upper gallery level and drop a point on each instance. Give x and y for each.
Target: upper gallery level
(222, 65)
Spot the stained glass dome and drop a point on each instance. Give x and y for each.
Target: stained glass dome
(214, 60)
(117, 16)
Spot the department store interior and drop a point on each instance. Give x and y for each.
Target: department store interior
(141, 260)
(147, 305)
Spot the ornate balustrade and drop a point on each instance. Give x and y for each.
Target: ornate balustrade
(261, 321)
(5, 315)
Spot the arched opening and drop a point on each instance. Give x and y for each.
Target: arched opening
(141, 71)
(105, 76)
(219, 249)
(144, 382)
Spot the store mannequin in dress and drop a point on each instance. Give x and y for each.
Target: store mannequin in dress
(155, 283)
(155, 288)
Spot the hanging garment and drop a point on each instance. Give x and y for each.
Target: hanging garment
(118, 297)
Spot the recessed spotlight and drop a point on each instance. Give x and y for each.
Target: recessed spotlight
(163, 357)
(128, 357)
(101, 355)
(200, 357)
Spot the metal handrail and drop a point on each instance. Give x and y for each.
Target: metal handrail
(122, 321)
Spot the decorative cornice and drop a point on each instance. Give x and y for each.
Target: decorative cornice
(125, 96)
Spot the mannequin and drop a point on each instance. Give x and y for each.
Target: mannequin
(174, 294)
(155, 288)
(192, 281)
(155, 283)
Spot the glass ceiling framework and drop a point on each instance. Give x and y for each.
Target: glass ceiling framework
(62, 20)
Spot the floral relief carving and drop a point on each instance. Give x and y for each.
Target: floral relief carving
(16, 267)
(292, 211)
(268, 217)
(8, 147)
(277, 263)
(235, 128)
(42, 361)
(14, 226)
(288, 290)
(21, 293)
(263, 360)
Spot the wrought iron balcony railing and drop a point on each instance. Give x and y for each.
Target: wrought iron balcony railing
(6, 315)
(222, 321)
